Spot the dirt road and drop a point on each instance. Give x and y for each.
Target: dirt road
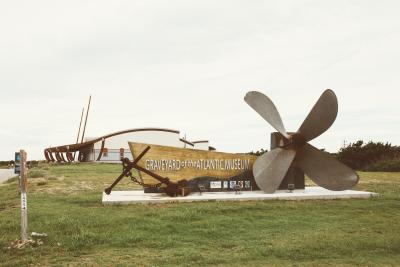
(6, 174)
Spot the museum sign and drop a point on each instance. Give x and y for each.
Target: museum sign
(215, 171)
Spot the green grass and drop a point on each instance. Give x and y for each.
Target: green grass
(64, 201)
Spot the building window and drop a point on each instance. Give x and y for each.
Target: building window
(105, 152)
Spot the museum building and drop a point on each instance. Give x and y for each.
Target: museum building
(114, 146)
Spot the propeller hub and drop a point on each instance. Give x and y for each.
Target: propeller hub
(297, 140)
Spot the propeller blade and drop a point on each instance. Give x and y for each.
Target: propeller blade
(321, 117)
(264, 106)
(325, 170)
(271, 167)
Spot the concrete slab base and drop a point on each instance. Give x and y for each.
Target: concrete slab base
(138, 196)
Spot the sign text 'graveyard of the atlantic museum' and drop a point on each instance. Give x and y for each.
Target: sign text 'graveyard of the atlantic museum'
(183, 163)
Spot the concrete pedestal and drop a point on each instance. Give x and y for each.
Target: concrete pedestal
(138, 196)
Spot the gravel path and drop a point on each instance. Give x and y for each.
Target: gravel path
(6, 174)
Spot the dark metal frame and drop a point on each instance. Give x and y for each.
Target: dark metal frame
(101, 149)
(172, 189)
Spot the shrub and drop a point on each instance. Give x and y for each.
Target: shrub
(258, 152)
(361, 156)
(388, 165)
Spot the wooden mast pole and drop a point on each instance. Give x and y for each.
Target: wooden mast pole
(79, 130)
(87, 113)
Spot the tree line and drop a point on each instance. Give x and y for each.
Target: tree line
(371, 156)
(365, 156)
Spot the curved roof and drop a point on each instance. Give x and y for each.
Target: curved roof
(76, 147)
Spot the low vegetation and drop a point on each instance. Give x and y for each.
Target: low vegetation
(385, 165)
(64, 201)
(371, 156)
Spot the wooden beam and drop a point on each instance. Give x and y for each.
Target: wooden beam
(87, 114)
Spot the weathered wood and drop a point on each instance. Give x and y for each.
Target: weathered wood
(79, 130)
(183, 163)
(87, 114)
(23, 187)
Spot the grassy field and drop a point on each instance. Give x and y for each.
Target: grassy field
(64, 201)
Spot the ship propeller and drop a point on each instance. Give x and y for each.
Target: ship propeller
(270, 168)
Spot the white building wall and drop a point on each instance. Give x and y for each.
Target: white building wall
(148, 137)
(186, 145)
(112, 155)
(201, 146)
(114, 143)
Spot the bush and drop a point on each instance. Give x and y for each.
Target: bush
(391, 165)
(258, 152)
(361, 156)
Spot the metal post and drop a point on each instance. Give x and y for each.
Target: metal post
(23, 186)
(294, 178)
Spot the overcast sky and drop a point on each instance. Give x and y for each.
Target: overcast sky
(187, 65)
